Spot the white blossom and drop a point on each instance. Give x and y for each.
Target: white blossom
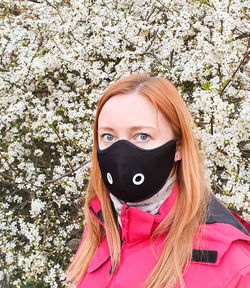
(57, 59)
(36, 207)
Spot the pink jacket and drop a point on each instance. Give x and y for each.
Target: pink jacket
(222, 262)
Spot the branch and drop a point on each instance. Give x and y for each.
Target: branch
(150, 14)
(32, 193)
(33, 57)
(231, 79)
(152, 41)
(210, 5)
(13, 11)
(66, 174)
(55, 9)
(242, 36)
(13, 84)
(152, 54)
(62, 144)
(10, 166)
(6, 176)
(171, 58)
(57, 46)
(35, 1)
(13, 184)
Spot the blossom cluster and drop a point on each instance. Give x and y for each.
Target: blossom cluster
(56, 59)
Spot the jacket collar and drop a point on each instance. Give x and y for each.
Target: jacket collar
(137, 224)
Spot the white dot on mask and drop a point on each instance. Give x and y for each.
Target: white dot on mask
(138, 179)
(110, 179)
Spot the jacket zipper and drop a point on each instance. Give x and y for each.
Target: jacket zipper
(122, 241)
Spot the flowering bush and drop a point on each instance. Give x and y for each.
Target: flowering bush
(57, 57)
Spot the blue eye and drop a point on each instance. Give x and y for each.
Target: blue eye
(143, 137)
(108, 137)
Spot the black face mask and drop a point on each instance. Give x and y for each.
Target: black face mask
(133, 174)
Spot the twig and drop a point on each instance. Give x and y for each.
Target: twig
(64, 150)
(150, 14)
(57, 46)
(130, 8)
(33, 57)
(13, 84)
(210, 5)
(129, 41)
(152, 54)
(65, 155)
(242, 36)
(76, 38)
(10, 166)
(152, 41)
(231, 79)
(13, 184)
(6, 176)
(66, 174)
(35, 1)
(171, 58)
(55, 9)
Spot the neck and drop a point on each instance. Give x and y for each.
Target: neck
(150, 205)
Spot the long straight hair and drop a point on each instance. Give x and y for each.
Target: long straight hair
(189, 210)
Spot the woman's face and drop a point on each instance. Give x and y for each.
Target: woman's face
(134, 118)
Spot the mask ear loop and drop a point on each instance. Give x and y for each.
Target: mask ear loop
(174, 169)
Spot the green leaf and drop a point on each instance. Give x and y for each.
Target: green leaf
(205, 86)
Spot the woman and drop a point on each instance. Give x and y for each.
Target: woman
(151, 219)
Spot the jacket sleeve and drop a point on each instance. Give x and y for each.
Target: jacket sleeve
(244, 281)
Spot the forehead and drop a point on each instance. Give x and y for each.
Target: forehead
(130, 108)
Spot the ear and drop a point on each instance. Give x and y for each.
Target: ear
(178, 153)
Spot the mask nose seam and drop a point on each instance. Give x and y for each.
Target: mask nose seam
(120, 162)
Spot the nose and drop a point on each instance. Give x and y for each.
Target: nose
(123, 136)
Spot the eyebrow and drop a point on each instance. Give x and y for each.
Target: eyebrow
(133, 128)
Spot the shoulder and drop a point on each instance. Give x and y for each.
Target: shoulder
(218, 213)
(222, 235)
(225, 244)
(222, 228)
(221, 250)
